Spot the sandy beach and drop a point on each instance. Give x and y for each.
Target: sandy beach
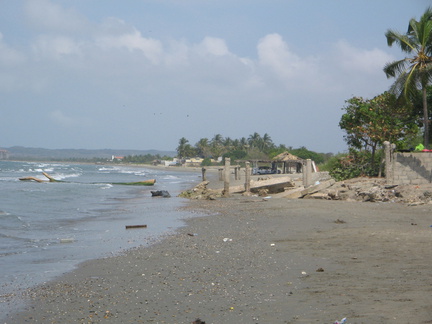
(255, 260)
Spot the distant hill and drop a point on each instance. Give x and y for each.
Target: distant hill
(19, 152)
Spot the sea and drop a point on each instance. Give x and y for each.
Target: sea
(47, 229)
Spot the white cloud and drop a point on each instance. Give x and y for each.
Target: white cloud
(274, 53)
(44, 14)
(361, 60)
(8, 55)
(55, 46)
(152, 49)
(213, 46)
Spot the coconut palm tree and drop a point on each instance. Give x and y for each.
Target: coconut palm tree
(414, 72)
(216, 146)
(182, 147)
(243, 144)
(267, 142)
(203, 147)
(255, 140)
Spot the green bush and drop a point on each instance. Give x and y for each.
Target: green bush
(352, 165)
(206, 162)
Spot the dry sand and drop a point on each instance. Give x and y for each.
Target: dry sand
(259, 261)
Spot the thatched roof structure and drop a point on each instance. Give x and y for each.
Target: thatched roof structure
(287, 157)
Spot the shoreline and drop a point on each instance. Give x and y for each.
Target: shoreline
(249, 260)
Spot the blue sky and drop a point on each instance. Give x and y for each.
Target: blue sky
(141, 74)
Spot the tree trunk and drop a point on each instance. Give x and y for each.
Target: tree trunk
(373, 157)
(425, 118)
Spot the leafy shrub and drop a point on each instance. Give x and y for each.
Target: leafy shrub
(206, 162)
(352, 165)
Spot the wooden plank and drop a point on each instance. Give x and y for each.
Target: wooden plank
(135, 226)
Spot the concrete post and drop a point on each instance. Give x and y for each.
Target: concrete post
(247, 176)
(227, 177)
(203, 170)
(307, 174)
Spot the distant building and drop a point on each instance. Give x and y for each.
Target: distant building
(193, 162)
(4, 155)
(117, 158)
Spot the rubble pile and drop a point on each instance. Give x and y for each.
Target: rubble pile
(201, 191)
(357, 189)
(374, 190)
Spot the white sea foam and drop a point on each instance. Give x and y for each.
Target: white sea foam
(61, 176)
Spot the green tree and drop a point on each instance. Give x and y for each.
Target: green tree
(216, 146)
(228, 143)
(304, 153)
(235, 155)
(255, 140)
(414, 72)
(203, 148)
(368, 123)
(184, 149)
(266, 143)
(243, 144)
(352, 165)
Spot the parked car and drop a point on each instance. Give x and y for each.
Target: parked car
(265, 170)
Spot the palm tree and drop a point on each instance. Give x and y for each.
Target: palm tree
(413, 72)
(255, 140)
(243, 144)
(228, 143)
(267, 142)
(203, 147)
(216, 146)
(182, 147)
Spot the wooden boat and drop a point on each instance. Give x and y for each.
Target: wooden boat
(149, 182)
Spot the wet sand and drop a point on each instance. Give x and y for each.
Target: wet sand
(259, 261)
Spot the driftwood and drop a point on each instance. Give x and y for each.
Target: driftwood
(32, 179)
(135, 226)
(149, 182)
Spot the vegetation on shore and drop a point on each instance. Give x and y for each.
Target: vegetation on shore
(400, 115)
(254, 147)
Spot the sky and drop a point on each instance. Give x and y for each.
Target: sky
(141, 74)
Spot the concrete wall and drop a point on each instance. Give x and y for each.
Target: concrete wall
(412, 168)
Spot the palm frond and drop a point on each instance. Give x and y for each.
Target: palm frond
(402, 40)
(427, 15)
(395, 68)
(406, 84)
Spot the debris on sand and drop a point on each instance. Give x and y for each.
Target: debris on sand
(374, 190)
(201, 191)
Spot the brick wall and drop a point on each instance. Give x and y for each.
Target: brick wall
(412, 168)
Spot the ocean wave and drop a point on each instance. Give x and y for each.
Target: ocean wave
(170, 177)
(107, 168)
(61, 176)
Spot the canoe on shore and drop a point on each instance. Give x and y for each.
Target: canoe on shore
(149, 182)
